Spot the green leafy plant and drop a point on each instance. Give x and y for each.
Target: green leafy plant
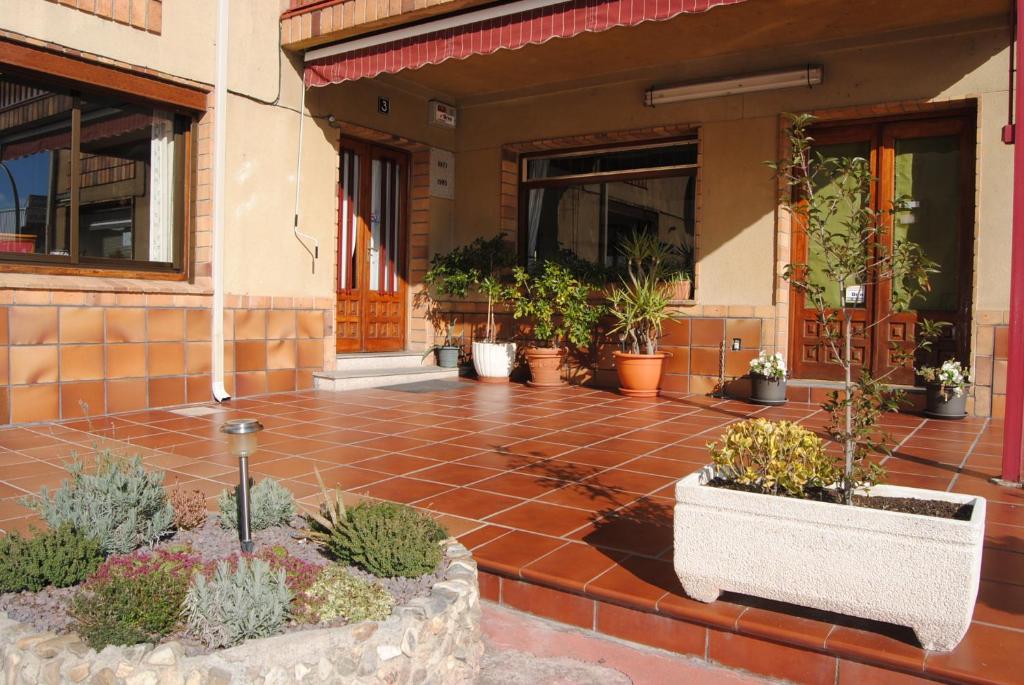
(477, 266)
(61, 558)
(133, 598)
(121, 504)
(828, 199)
(339, 594)
(778, 458)
(271, 504)
(189, 508)
(239, 602)
(639, 303)
(555, 300)
(386, 539)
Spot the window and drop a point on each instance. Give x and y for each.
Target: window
(588, 201)
(90, 180)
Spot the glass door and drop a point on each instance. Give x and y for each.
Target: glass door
(930, 163)
(370, 314)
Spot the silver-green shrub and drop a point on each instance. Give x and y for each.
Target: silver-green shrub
(120, 504)
(271, 504)
(248, 602)
(337, 593)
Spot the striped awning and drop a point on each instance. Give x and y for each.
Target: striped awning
(351, 62)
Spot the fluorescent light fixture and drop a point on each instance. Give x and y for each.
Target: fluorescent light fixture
(808, 76)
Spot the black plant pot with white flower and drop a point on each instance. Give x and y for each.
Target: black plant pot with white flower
(768, 379)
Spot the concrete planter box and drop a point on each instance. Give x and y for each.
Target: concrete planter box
(433, 639)
(906, 569)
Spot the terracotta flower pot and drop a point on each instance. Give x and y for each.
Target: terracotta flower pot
(639, 374)
(681, 290)
(545, 366)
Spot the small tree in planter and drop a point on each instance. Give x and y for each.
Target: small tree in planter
(846, 233)
(768, 378)
(947, 388)
(554, 299)
(775, 493)
(479, 267)
(639, 305)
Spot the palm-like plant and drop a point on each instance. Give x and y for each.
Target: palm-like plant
(639, 304)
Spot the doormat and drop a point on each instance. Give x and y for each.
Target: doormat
(426, 386)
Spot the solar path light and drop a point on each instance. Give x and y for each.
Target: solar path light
(242, 444)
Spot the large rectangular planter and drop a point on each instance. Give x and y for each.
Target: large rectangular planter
(905, 569)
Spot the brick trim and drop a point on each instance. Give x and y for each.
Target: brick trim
(145, 15)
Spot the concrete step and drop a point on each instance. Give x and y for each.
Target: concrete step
(382, 360)
(348, 379)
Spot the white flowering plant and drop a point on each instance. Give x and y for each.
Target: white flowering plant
(951, 377)
(769, 365)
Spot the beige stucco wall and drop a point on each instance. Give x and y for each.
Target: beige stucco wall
(740, 132)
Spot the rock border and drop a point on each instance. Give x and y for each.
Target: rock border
(433, 639)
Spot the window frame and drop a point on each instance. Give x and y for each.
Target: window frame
(79, 78)
(525, 185)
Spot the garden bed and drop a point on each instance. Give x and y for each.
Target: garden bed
(434, 636)
(131, 586)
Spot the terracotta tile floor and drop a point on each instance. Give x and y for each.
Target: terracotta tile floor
(571, 489)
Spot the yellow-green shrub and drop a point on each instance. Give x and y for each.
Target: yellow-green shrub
(779, 458)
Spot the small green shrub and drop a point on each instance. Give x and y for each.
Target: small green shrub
(337, 593)
(271, 504)
(384, 538)
(250, 601)
(121, 504)
(133, 598)
(779, 458)
(60, 558)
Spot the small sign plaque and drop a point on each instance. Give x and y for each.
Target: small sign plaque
(442, 114)
(384, 105)
(442, 174)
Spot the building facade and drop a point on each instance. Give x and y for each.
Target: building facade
(361, 138)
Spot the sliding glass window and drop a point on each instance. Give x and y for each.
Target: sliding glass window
(584, 203)
(90, 180)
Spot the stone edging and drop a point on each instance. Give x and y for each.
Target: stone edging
(433, 639)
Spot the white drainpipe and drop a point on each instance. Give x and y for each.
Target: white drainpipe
(220, 145)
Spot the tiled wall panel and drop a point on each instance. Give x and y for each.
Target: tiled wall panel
(59, 362)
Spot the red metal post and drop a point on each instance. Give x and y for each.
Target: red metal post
(1014, 423)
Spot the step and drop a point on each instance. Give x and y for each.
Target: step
(359, 361)
(348, 379)
(838, 385)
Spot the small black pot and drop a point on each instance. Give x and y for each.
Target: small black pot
(941, 404)
(448, 356)
(764, 390)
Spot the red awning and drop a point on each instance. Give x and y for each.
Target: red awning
(529, 27)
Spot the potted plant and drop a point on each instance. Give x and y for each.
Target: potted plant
(946, 388)
(768, 379)
(554, 300)
(639, 307)
(448, 351)
(479, 267)
(776, 515)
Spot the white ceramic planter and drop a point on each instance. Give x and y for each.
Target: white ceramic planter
(493, 361)
(910, 570)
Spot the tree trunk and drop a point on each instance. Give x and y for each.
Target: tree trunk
(850, 444)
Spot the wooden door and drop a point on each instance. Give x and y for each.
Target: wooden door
(372, 208)
(810, 353)
(931, 162)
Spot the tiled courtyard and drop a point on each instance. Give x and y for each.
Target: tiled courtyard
(565, 497)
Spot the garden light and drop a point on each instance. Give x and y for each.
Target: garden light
(242, 442)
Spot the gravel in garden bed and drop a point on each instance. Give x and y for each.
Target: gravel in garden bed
(47, 609)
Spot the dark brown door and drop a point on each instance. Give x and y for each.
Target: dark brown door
(372, 219)
(930, 162)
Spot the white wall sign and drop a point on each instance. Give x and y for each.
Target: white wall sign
(442, 173)
(442, 114)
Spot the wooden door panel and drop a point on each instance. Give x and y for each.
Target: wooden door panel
(371, 247)
(880, 348)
